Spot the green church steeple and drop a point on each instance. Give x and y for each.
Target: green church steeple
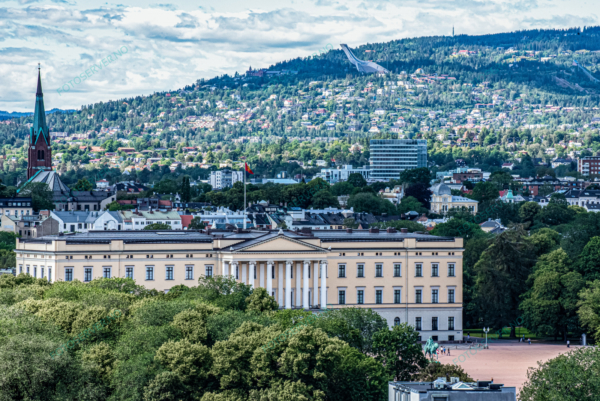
(39, 129)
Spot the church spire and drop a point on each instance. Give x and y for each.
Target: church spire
(39, 118)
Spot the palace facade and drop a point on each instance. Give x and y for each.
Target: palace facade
(405, 277)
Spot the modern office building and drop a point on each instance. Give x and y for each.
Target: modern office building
(225, 178)
(389, 157)
(334, 175)
(405, 277)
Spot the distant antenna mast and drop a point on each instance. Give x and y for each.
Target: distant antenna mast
(452, 30)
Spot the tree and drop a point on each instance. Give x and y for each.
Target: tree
(435, 370)
(411, 226)
(420, 175)
(589, 309)
(260, 301)
(411, 204)
(588, 263)
(458, 228)
(42, 196)
(83, 185)
(399, 352)
(357, 180)
(342, 188)
(224, 292)
(116, 206)
(485, 192)
(196, 224)
(158, 226)
(420, 192)
(550, 306)
(186, 192)
(529, 211)
(501, 277)
(555, 214)
(324, 199)
(369, 203)
(350, 222)
(356, 326)
(571, 377)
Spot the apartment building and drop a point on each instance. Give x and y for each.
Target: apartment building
(389, 157)
(405, 277)
(589, 165)
(225, 178)
(335, 175)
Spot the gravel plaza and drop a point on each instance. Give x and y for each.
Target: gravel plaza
(505, 361)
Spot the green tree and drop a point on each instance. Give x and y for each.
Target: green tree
(186, 191)
(350, 222)
(224, 291)
(369, 203)
(356, 326)
(411, 226)
(357, 180)
(589, 308)
(41, 196)
(550, 306)
(555, 214)
(260, 301)
(435, 370)
(501, 277)
(196, 224)
(420, 175)
(158, 226)
(485, 192)
(324, 199)
(529, 211)
(571, 377)
(458, 228)
(399, 352)
(588, 263)
(411, 204)
(342, 188)
(83, 185)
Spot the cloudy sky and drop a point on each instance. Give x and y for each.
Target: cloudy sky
(172, 44)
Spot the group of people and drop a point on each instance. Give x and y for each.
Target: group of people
(442, 351)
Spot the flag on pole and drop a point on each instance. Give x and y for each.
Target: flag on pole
(248, 168)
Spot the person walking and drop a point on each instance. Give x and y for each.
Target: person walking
(529, 340)
(568, 344)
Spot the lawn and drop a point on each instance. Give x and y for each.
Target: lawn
(478, 333)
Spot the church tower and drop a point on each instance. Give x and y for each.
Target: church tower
(40, 150)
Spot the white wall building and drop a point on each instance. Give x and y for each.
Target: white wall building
(225, 178)
(334, 175)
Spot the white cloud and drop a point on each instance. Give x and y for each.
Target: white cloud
(174, 44)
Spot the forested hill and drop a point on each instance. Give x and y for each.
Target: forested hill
(519, 80)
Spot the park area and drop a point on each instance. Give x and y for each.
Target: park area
(505, 361)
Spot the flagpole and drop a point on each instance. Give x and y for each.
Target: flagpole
(245, 212)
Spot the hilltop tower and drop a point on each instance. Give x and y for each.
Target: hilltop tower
(40, 148)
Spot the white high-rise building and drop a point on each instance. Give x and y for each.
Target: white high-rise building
(389, 157)
(225, 178)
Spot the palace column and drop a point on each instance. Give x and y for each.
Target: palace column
(316, 284)
(288, 284)
(270, 277)
(323, 284)
(252, 273)
(235, 270)
(225, 268)
(305, 285)
(298, 280)
(280, 286)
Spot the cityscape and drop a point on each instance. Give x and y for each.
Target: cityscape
(406, 216)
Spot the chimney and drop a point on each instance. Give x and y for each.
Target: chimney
(306, 230)
(349, 230)
(391, 230)
(404, 230)
(373, 230)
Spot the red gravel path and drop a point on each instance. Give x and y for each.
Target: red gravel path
(505, 362)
